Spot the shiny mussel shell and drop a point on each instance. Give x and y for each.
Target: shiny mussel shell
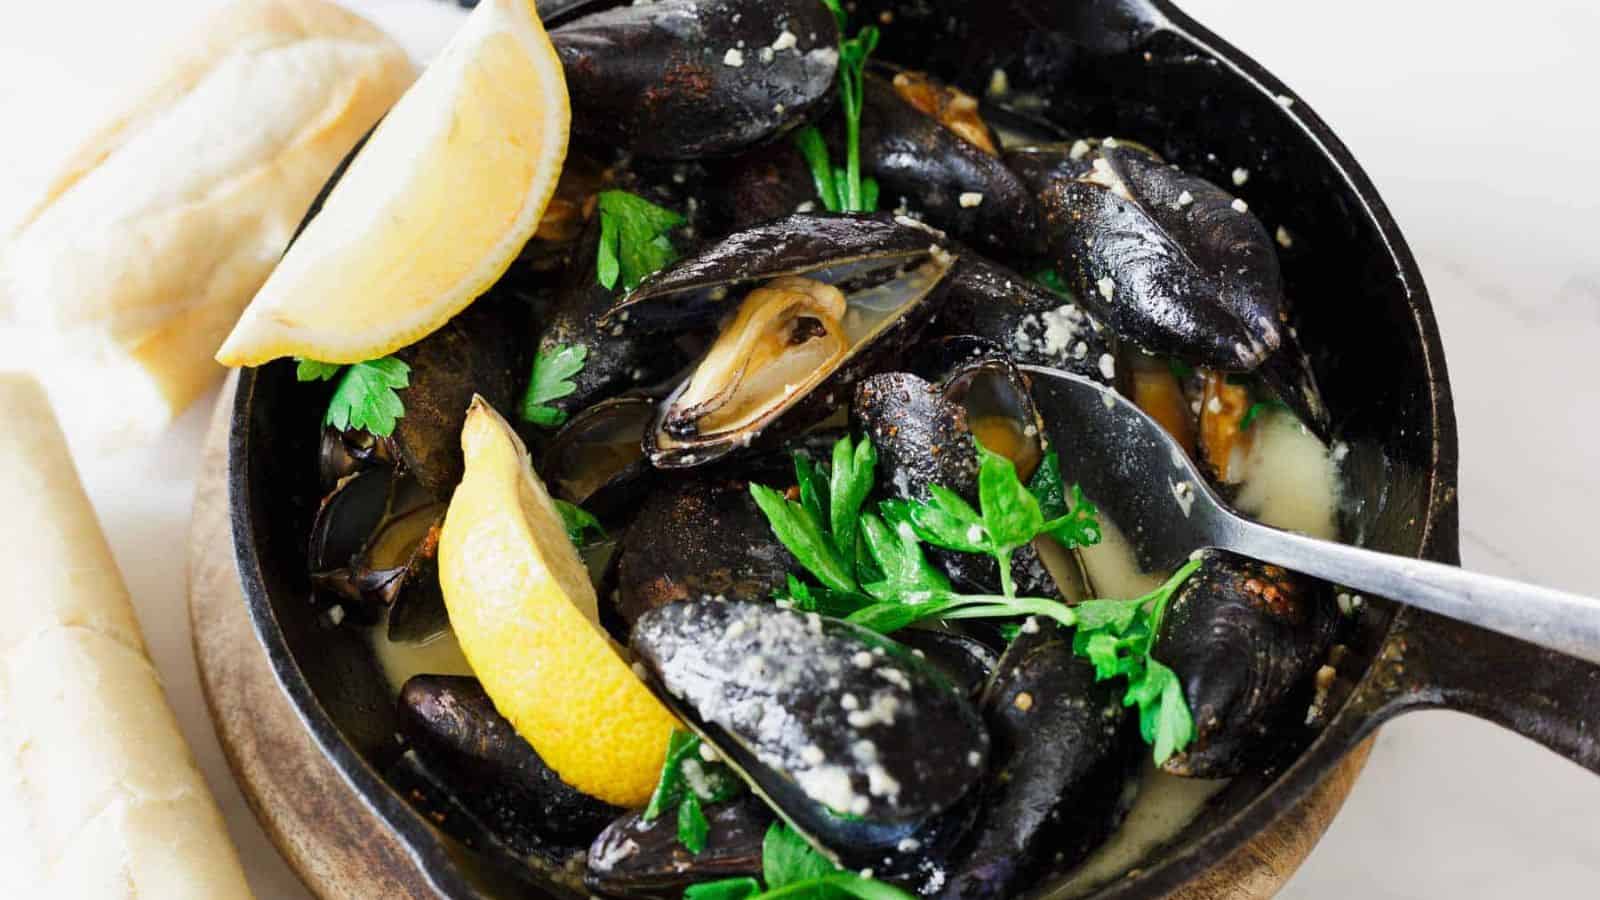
(1063, 753)
(858, 743)
(1033, 324)
(597, 459)
(684, 79)
(453, 726)
(1168, 260)
(1245, 637)
(635, 858)
(834, 298)
(695, 539)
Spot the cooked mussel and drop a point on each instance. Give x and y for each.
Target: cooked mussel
(697, 539)
(925, 142)
(769, 182)
(1246, 638)
(373, 547)
(862, 746)
(684, 79)
(617, 356)
(965, 660)
(1167, 259)
(472, 750)
(597, 459)
(638, 858)
(1062, 756)
(835, 297)
(344, 453)
(1034, 324)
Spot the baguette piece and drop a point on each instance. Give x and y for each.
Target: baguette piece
(144, 250)
(99, 795)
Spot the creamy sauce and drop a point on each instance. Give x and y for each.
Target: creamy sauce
(1165, 804)
(438, 655)
(1290, 479)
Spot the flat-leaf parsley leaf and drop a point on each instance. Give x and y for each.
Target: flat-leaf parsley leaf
(551, 380)
(633, 239)
(365, 397)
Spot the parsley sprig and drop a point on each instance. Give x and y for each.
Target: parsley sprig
(791, 868)
(551, 380)
(841, 188)
(579, 523)
(871, 569)
(633, 239)
(366, 396)
(687, 782)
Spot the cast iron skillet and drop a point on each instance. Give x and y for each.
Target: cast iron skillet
(1132, 68)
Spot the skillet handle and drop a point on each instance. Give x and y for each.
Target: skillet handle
(1431, 662)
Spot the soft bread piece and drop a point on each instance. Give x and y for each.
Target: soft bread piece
(147, 246)
(99, 795)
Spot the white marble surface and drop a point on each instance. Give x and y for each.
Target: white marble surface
(1476, 121)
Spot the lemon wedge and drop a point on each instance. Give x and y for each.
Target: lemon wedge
(433, 209)
(526, 616)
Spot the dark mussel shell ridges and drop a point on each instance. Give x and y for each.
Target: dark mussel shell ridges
(1064, 751)
(452, 725)
(635, 858)
(1169, 260)
(1245, 637)
(684, 79)
(938, 173)
(699, 538)
(862, 746)
(1034, 325)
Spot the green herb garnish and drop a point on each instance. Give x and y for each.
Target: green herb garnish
(551, 380)
(841, 188)
(872, 569)
(687, 782)
(1179, 368)
(633, 239)
(793, 869)
(1259, 407)
(578, 522)
(366, 396)
(1052, 279)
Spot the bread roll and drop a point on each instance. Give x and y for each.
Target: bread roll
(99, 795)
(154, 237)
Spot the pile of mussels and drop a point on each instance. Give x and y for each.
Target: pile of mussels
(777, 330)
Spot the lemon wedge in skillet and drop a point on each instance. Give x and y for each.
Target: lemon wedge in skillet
(432, 210)
(525, 614)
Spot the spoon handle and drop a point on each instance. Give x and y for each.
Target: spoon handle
(1557, 620)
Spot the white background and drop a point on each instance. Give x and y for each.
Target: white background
(1478, 123)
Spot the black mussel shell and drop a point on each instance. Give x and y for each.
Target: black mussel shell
(868, 286)
(597, 459)
(1064, 750)
(684, 79)
(344, 523)
(471, 355)
(769, 182)
(954, 183)
(923, 435)
(696, 539)
(1288, 372)
(1168, 260)
(1035, 325)
(965, 660)
(863, 747)
(1246, 638)
(635, 858)
(373, 546)
(619, 357)
(453, 727)
(344, 453)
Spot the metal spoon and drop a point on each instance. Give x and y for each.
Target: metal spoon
(1142, 479)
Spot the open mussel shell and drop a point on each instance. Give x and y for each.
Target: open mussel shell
(698, 538)
(684, 79)
(452, 725)
(1062, 756)
(1245, 638)
(1169, 260)
(344, 453)
(373, 546)
(926, 143)
(1034, 325)
(835, 298)
(597, 459)
(863, 747)
(635, 858)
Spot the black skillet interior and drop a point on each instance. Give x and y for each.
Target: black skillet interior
(1131, 69)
